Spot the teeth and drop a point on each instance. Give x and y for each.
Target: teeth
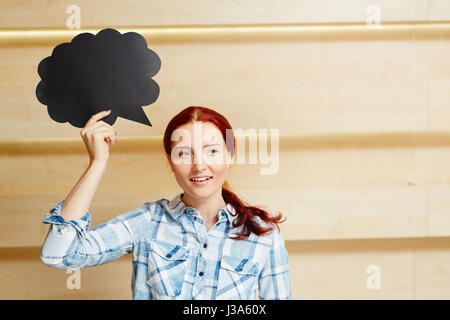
(201, 179)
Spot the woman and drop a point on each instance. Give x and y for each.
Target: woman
(205, 243)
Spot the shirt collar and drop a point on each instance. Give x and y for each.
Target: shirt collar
(176, 207)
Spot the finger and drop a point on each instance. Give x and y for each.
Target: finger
(107, 139)
(108, 125)
(90, 128)
(98, 125)
(105, 133)
(97, 117)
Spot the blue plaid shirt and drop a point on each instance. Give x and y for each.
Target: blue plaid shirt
(174, 257)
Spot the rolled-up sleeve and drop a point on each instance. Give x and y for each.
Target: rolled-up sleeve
(70, 244)
(274, 279)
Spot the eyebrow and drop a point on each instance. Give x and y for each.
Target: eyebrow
(206, 145)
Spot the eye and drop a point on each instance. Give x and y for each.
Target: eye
(214, 151)
(181, 153)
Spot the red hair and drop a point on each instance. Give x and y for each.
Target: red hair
(245, 213)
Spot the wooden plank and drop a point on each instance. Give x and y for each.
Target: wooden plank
(115, 12)
(237, 33)
(439, 98)
(410, 268)
(314, 213)
(24, 276)
(21, 220)
(295, 86)
(432, 268)
(337, 269)
(438, 210)
(340, 213)
(362, 161)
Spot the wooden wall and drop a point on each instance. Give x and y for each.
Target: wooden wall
(364, 120)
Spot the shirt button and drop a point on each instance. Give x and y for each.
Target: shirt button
(200, 273)
(205, 245)
(169, 255)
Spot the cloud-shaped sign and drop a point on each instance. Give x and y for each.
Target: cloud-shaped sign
(92, 73)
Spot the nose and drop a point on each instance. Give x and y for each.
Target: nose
(199, 163)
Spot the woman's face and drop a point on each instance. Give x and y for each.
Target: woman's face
(198, 152)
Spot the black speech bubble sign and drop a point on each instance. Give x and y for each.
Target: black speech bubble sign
(92, 73)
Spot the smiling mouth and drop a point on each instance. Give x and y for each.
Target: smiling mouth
(198, 180)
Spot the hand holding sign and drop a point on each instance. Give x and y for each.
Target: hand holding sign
(94, 133)
(98, 72)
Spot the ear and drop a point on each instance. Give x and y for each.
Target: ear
(170, 162)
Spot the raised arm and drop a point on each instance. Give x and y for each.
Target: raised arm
(68, 242)
(96, 134)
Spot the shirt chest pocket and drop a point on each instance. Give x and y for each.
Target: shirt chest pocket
(167, 265)
(238, 278)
